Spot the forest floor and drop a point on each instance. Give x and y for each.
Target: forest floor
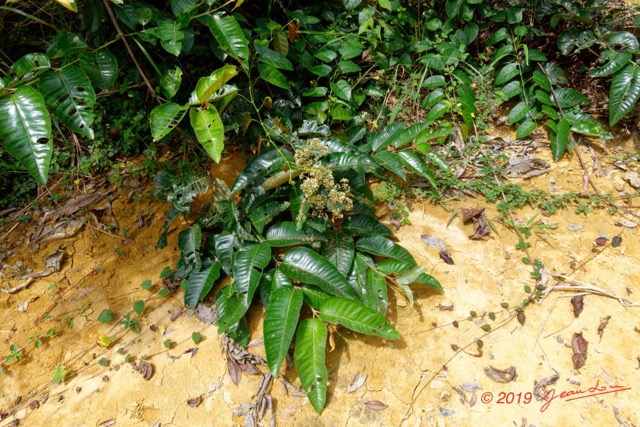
(436, 375)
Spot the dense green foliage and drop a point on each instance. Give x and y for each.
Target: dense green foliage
(329, 94)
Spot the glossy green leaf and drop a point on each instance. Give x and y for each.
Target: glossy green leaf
(437, 111)
(285, 233)
(164, 118)
(171, 36)
(27, 68)
(525, 128)
(393, 266)
(391, 162)
(623, 38)
(342, 89)
(25, 129)
(339, 250)
(433, 98)
(224, 245)
(415, 163)
(428, 280)
(431, 82)
(412, 132)
(65, 44)
(307, 266)
(384, 138)
(376, 296)
(209, 130)
(518, 112)
(264, 214)
(271, 75)
(623, 92)
(230, 307)
(315, 92)
(229, 36)
(562, 139)
(384, 247)
(250, 260)
(280, 324)
(259, 166)
(506, 73)
(357, 317)
(273, 58)
(309, 356)
(101, 67)
(209, 85)
(70, 95)
(567, 97)
(542, 80)
(585, 124)
(617, 61)
(364, 225)
(200, 283)
(189, 241)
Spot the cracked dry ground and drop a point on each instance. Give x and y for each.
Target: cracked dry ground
(421, 378)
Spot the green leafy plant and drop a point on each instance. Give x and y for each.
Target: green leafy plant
(296, 229)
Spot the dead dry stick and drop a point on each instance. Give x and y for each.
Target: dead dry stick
(577, 286)
(20, 287)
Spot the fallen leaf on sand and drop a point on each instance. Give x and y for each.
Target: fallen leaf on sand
(578, 305)
(580, 347)
(357, 382)
(501, 376)
(376, 405)
(145, 368)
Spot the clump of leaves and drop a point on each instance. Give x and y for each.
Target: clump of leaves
(297, 229)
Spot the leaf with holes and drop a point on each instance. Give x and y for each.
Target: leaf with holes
(307, 266)
(280, 324)
(70, 95)
(309, 356)
(209, 130)
(617, 61)
(164, 118)
(27, 68)
(25, 129)
(209, 85)
(101, 67)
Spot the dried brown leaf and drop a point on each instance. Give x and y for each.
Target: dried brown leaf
(501, 376)
(446, 257)
(540, 387)
(603, 324)
(234, 371)
(195, 402)
(469, 214)
(376, 405)
(580, 347)
(578, 305)
(145, 368)
(473, 400)
(357, 382)
(521, 317)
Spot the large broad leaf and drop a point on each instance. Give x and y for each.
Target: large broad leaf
(308, 266)
(567, 97)
(409, 134)
(101, 67)
(171, 81)
(391, 162)
(309, 356)
(280, 325)
(381, 246)
(65, 44)
(164, 118)
(189, 241)
(617, 61)
(260, 166)
(200, 284)
(415, 163)
(27, 68)
(230, 307)
(561, 141)
(209, 130)
(171, 36)
(250, 260)
(364, 225)
(25, 129)
(624, 92)
(208, 86)
(286, 233)
(506, 73)
(518, 112)
(224, 246)
(428, 280)
(272, 75)
(339, 250)
(357, 317)
(264, 214)
(381, 140)
(229, 36)
(376, 296)
(71, 97)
